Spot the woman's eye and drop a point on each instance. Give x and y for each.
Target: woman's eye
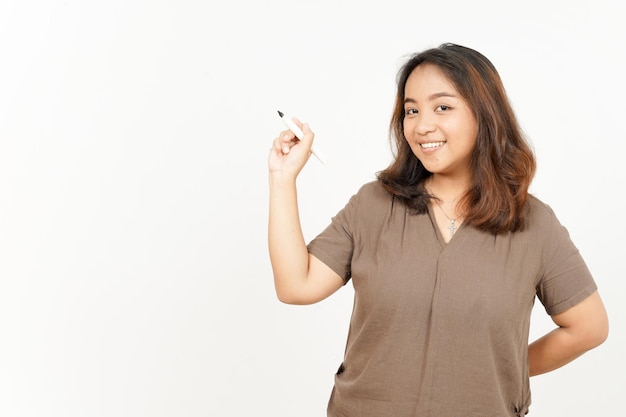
(443, 107)
(409, 112)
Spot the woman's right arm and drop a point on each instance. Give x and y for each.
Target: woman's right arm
(299, 278)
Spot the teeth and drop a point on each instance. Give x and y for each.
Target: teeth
(431, 144)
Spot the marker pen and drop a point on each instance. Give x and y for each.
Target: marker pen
(299, 134)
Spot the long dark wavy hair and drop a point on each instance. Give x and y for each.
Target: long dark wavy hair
(502, 163)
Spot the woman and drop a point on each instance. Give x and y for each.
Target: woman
(446, 251)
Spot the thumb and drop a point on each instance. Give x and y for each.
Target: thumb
(308, 135)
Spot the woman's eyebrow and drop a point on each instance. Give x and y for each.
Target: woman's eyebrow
(432, 97)
(442, 94)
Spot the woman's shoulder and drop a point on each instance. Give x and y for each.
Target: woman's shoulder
(371, 198)
(540, 213)
(538, 206)
(373, 192)
(373, 186)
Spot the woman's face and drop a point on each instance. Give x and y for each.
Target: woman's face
(439, 126)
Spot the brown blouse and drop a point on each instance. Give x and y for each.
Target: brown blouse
(441, 330)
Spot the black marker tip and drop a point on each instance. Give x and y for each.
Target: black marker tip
(280, 113)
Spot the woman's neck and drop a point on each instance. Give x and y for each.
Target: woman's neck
(446, 189)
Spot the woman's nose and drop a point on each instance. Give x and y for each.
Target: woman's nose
(424, 125)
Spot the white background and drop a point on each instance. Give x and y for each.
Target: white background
(134, 275)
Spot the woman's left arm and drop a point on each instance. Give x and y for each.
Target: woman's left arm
(581, 328)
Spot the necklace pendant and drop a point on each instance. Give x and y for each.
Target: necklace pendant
(452, 227)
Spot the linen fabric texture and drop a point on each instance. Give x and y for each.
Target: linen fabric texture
(442, 329)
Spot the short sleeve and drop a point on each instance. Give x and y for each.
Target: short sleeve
(335, 245)
(566, 279)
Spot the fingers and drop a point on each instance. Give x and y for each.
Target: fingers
(297, 122)
(308, 133)
(301, 125)
(285, 140)
(288, 153)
